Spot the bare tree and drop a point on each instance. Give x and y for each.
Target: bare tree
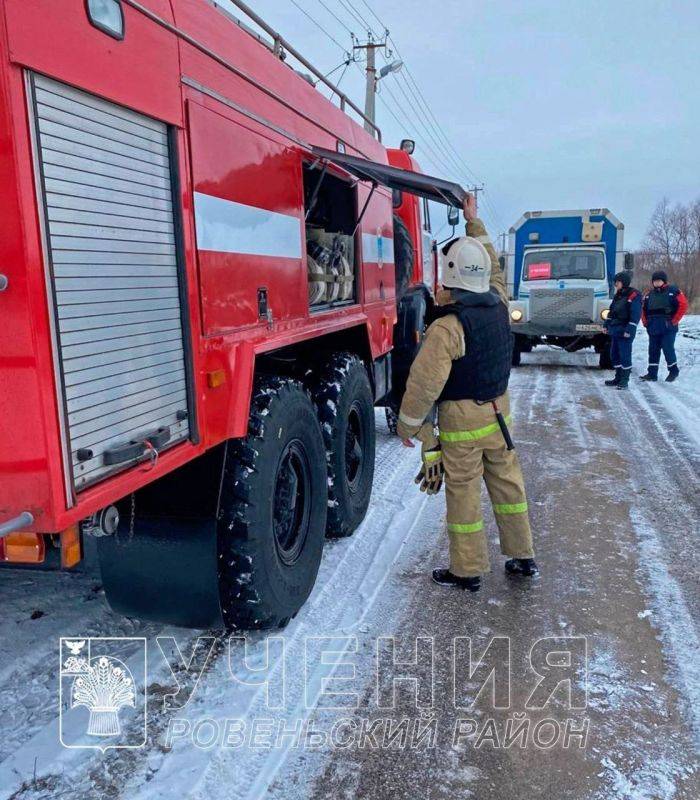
(672, 244)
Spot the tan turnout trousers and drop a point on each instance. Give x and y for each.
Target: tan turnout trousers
(473, 448)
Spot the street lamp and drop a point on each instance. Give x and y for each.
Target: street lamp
(373, 78)
(395, 66)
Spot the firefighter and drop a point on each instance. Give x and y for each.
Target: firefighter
(621, 324)
(464, 366)
(663, 307)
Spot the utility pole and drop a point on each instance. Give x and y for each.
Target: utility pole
(475, 191)
(371, 76)
(371, 86)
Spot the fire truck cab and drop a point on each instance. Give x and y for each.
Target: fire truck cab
(199, 300)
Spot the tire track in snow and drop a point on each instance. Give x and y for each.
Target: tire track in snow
(351, 575)
(677, 627)
(342, 601)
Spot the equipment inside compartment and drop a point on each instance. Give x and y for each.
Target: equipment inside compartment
(330, 247)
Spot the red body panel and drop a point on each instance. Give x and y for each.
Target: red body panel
(233, 163)
(222, 153)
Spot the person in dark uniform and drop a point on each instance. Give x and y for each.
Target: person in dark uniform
(623, 317)
(663, 308)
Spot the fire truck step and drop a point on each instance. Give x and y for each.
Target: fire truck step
(166, 571)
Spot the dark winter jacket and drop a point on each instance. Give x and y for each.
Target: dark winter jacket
(483, 372)
(663, 308)
(625, 312)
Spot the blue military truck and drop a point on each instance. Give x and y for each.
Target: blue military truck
(560, 269)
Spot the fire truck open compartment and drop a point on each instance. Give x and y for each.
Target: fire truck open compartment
(330, 204)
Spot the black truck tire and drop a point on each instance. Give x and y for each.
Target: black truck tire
(272, 510)
(412, 318)
(343, 396)
(605, 359)
(517, 351)
(403, 257)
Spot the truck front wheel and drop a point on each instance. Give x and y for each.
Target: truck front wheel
(343, 396)
(605, 361)
(272, 510)
(517, 350)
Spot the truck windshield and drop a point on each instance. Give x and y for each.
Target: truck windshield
(543, 265)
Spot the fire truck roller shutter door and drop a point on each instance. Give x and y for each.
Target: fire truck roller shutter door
(114, 283)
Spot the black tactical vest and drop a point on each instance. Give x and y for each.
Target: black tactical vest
(659, 303)
(482, 373)
(620, 310)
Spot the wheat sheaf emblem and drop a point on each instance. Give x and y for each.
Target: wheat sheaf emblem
(104, 686)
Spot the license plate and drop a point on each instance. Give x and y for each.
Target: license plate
(591, 328)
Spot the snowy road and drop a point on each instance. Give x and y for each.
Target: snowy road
(613, 485)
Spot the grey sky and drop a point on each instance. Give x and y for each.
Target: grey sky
(552, 104)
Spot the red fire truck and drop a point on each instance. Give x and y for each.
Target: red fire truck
(198, 294)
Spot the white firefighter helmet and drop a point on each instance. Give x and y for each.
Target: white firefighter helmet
(466, 265)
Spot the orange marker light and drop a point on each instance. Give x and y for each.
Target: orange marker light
(216, 378)
(25, 548)
(71, 551)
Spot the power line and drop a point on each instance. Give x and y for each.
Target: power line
(437, 158)
(439, 155)
(335, 16)
(402, 122)
(448, 143)
(420, 94)
(373, 13)
(318, 25)
(434, 158)
(428, 128)
(358, 17)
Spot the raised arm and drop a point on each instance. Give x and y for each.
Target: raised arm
(477, 229)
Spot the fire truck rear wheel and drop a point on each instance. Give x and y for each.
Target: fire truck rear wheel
(272, 517)
(343, 397)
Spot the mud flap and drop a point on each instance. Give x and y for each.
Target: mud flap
(162, 563)
(165, 572)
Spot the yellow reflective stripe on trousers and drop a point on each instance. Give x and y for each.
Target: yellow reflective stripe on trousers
(510, 508)
(465, 527)
(470, 436)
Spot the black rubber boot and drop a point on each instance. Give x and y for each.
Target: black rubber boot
(624, 381)
(648, 377)
(672, 374)
(522, 566)
(614, 381)
(443, 577)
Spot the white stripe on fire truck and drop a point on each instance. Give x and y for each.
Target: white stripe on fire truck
(228, 227)
(371, 248)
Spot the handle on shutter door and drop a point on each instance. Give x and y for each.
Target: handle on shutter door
(124, 452)
(159, 438)
(135, 449)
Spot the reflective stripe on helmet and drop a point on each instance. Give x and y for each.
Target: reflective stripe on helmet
(510, 508)
(470, 436)
(465, 527)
